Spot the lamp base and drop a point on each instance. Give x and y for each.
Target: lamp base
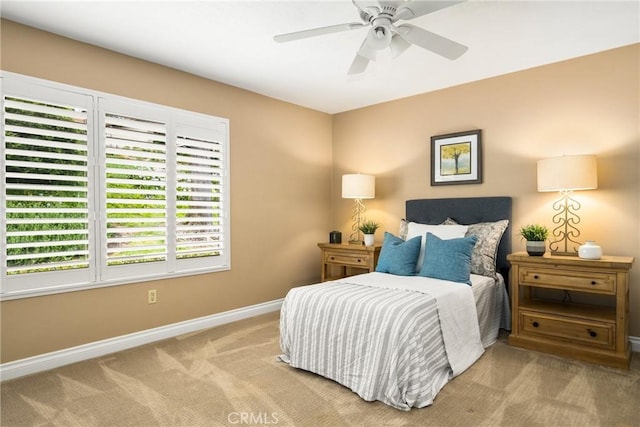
(358, 211)
(560, 253)
(567, 218)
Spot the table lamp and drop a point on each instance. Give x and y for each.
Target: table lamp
(358, 187)
(567, 174)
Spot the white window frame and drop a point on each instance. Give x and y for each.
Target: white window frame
(98, 274)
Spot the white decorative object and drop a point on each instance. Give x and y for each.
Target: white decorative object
(590, 250)
(369, 239)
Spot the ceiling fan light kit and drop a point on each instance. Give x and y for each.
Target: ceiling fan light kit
(398, 45)
(379, 37)
(382, 16)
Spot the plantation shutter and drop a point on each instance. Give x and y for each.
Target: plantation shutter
(47, 226)
(135, 156)
(200, 195)
(100, 190)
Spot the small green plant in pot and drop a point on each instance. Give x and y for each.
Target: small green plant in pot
(535, 235)
(369, 228)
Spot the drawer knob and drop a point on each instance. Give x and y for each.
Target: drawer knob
(593, 282)
(359, 260)
(331, 258)
(535, 324)
(535, 276)
(592, 334)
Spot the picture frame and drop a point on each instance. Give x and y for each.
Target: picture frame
(456, 158)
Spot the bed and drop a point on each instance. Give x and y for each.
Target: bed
(436, 301)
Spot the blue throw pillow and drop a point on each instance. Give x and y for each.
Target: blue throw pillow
(448, 259)
(397, 256)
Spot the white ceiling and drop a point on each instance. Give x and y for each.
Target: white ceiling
(232, 42)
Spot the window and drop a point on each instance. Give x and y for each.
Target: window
(101, 190)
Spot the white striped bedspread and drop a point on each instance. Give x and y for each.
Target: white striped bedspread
(396, 339)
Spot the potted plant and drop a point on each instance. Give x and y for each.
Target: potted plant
(535, 235)
(369, 228)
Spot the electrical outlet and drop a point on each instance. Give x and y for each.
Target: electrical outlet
(152, 296)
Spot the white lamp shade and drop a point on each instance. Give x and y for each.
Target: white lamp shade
(357, 186)
(379, 37)
(568, 173)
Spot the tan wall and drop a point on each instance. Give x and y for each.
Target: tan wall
(280, 199)
(588, 105)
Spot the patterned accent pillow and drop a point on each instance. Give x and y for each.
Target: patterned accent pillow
(485, 252)
(404, 228)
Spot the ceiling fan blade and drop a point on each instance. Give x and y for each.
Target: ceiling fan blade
(317, 32)
(367, 51)
(398, 45)
(431, 41)
(370, 6)
(420, 7)
(358, 65)
(362, 58)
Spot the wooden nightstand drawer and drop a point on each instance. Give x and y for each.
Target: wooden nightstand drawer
(352, 260)
(575, 330)
(583, 281)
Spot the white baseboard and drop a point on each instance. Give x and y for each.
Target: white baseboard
(635, 344)
(44, 362)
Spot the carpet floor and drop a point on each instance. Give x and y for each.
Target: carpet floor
(229, 376)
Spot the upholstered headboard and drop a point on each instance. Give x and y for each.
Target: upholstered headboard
(466, 211)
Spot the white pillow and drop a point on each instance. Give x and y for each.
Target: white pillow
(444, 232)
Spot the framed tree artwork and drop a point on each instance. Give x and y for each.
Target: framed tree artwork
(456, 158)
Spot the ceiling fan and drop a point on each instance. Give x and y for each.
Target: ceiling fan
(382, 16)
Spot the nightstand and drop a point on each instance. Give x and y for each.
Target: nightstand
(345, 256)
(594, 327)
